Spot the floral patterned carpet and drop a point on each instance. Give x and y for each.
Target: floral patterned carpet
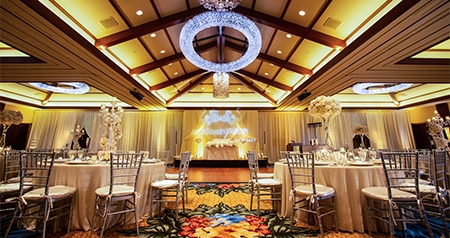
(215, 211)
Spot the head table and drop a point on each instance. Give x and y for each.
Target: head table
(347, 181)
(88, 177)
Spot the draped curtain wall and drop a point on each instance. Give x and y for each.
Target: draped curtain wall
(179, 131)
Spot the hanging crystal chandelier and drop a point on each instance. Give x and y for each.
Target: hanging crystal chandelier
(220, 5)
(220, 85)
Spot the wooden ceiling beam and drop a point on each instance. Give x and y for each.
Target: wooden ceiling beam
(291, 28)
(252, 86)
(176, 80)
(149, 27)
(278, 62)
(192, 84)
(266, 81)
(165, 61)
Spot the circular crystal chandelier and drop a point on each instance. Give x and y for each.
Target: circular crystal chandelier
(220, 5)
(226, 19)
(377, 88)
(73, 87)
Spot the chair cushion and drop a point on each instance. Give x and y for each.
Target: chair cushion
(381, 193)
(165, 183)
(118, 190)
(269, 182)
(9, 187)
(423, 188)
(322, 190)
(265, 175)
(172, 176)
(55, 192)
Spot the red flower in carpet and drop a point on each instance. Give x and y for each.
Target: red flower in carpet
(258, 223)
(192, 224)
(255, 220)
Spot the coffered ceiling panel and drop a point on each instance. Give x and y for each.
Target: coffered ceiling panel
(116, 46)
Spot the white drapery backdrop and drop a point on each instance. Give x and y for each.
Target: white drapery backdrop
(172, 130)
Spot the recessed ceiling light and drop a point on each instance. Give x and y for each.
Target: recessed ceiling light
(163, 51)
(239, 88)
(170, 64)
(176, 73)
(139, 12)
(289, 36)
(279, 52)
(153, 35)
(301, 13)
(202, 88)
(266, 73)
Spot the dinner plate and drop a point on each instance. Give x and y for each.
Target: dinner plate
(361, 163)
(77, 162)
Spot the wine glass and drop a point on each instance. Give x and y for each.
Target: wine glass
(80, 154)
(71, 154)
(146, 155)
(373, 154)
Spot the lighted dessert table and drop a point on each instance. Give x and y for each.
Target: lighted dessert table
(347, 181)
(88, 177)
(221, 153)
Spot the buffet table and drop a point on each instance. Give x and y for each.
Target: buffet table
(88, 177)
(347, 181)
(221, 153)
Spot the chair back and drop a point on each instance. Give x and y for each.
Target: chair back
(440, 172)
(163, 156)
(124, 169)
(253, 166)
(401, 170)
(184, 168)
(12, 164)
(302, 170)
(425, 165)
(35, 170)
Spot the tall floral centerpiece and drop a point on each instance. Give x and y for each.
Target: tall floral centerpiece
(8, 118)
(112, 118)
(436, 130)
(325, 108)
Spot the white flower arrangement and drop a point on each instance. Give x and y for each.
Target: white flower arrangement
(9, 117)
(112, 118)
(436, 130)
(219, 143)
(324, 107)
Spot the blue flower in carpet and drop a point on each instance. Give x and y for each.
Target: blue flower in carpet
(225, 219)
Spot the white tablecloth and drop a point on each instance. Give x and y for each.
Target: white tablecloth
(347, 181)
(87, 178)
(221, 153)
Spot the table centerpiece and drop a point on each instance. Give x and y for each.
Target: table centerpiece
(325, 108)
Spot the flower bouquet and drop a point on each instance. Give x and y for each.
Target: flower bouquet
(325, 108)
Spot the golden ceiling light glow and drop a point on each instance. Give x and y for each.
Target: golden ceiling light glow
(289, 36)
(139, 12)
(153, 35)
(176, 73)
(279, 52)
(301, 13)
(162, 51)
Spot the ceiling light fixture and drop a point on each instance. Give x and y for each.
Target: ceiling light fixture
(377, 88)
(220, 5)
(220, 85)
(220, 19)
(73, 87)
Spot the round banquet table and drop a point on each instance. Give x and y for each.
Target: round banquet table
(88, 177)
(347, 181)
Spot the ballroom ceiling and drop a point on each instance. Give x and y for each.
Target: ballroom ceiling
(333, 46)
